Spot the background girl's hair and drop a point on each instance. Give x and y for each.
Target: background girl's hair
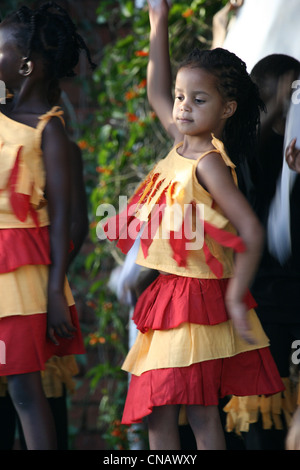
(273, 67)
(233, 83)
(49, 32)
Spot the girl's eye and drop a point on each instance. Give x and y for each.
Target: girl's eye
(199, 101)
(179, 97)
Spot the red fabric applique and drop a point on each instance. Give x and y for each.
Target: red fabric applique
(19, 202)
(153, 224)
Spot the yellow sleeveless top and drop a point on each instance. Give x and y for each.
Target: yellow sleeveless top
(23, 291)
(22, 173)
(206, 251)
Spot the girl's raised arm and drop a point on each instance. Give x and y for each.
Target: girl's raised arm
(159, 76)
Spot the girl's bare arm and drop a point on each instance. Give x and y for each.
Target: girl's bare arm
(55, 148)
(215, 176)
(159, 76)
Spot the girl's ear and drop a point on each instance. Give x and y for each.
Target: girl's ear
(26, 67)
(229, 109)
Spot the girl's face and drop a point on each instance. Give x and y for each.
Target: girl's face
(10, 58)
(199, 109)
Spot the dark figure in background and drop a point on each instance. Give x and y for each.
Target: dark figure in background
(276, 287)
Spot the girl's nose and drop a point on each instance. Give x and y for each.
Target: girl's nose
(184, 105)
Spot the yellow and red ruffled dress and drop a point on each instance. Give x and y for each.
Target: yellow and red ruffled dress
(25, 253)
(187, 351)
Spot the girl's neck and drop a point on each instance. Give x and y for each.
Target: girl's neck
(31, 101)
(193, 146)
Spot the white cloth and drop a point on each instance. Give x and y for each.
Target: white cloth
(123, 276)
(264, 27)
(278, 232)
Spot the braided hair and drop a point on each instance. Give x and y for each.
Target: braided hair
(233, 83)
(49, 32)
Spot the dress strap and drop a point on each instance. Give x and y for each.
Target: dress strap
(219, 148)
(56, 111)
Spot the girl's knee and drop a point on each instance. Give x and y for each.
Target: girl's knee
(24, 388)
(164, 416)
(202, 415)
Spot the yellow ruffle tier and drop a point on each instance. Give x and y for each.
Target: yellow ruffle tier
(24, 291)
(188, 344)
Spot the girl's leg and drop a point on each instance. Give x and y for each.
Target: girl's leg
(207, 428)
(33, 409)
(163, 428)
(7, 423)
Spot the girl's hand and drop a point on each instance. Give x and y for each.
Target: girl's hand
(236, 3)
(158, 9)
(292, 155)
(237, 311)
(59, 318)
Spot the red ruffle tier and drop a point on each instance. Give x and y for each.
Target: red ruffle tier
(25, 346)
(204, 383)
(171, 300)
(23, 246)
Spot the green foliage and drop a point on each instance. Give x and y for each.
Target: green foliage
(123, 139)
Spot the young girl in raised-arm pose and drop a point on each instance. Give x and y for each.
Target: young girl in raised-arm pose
(38, 315)
(199, 337)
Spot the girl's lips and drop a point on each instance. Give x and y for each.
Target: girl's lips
(184, 119)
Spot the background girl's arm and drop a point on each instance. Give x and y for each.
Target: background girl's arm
(55, 146)
(292, 156)
(159, 76)
(215, 176)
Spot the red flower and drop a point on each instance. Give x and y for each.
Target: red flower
(129, 95)
(132, 117)
(102, 169)
(141, 53)
(187, 13)
(142, 84)
(82, 144)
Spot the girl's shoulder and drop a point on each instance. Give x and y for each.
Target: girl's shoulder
(35, 121)
(216, 167)
(217, 148)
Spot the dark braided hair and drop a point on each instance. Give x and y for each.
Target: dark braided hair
(233, 83)
(50, 33)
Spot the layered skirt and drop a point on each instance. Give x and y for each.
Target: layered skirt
(187, 351)
(24, 269)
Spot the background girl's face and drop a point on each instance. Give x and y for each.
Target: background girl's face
(10, 58)
(198, 107)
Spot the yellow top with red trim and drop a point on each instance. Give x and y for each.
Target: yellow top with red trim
(22, 173)
(182, 230)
